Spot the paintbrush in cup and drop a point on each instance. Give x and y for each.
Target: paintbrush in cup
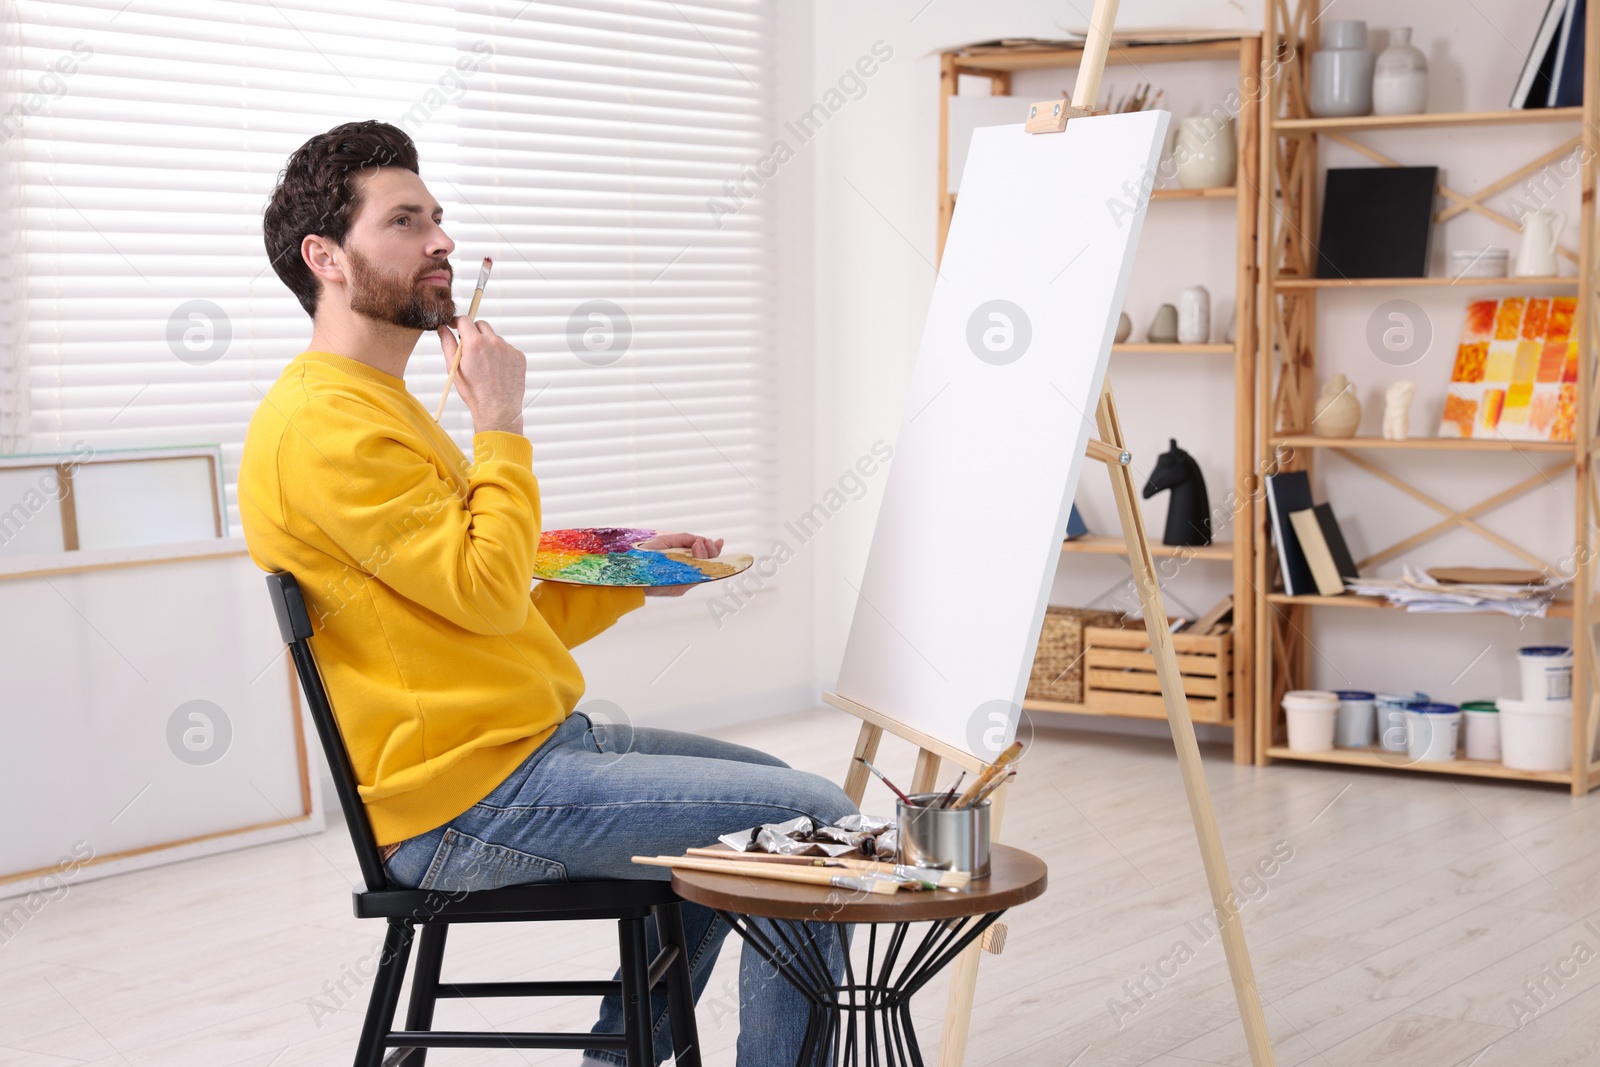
(950, 794)
(1005, 759)
(472, 313)
(892, 787)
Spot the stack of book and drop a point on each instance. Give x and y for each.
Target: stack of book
(1552, 71)
(1312, 554)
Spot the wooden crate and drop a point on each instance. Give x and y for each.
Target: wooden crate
(1120, 674)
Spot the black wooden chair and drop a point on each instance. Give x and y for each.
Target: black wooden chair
(404, 909)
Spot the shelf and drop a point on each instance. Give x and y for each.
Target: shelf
(1561, 609)
(974, 61)
(1441, 444)
(1372, 757)
(1033, 704)
(1216, 350)
(1221, 192)
(1106, 545)
(1568, 280)
(1505, 117)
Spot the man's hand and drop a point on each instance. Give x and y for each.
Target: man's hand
(699, 547)
(492, 378)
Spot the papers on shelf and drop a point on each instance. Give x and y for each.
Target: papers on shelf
(1415, 591)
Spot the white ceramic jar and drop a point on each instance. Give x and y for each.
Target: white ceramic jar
(1400, 77)
(1341, 72)
(1194, 316)
(1204, 153)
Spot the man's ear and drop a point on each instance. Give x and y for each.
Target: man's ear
(323, 257)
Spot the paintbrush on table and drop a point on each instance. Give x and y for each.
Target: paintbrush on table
(927, 875)
(867, 882)
(472, 313)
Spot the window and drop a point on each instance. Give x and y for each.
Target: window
(601, 152)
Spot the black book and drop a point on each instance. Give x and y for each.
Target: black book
(1331, 533)
(1534, 83)
(1287, 493)
(1376, 222)
(1566, 89)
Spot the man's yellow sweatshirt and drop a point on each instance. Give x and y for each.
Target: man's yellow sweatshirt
(445, 669)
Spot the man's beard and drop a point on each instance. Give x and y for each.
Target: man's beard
(402, 302)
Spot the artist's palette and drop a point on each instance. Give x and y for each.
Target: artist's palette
(605, 555)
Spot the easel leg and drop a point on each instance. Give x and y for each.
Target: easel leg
(855, 776)
(925, 779)
(1193, 771)
(964, 971)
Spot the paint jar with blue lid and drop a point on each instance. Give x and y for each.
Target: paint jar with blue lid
(1546, 672)
(1354, 726)
(1392, 718)
(1432, 731)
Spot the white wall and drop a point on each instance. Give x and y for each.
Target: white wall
(875, 227)
(676, 662)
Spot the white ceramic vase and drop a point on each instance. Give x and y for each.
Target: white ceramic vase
(1194, 316)
(1204, 153)
(1341, 73)
(1400, 79)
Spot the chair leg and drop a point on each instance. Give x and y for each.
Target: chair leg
(680, 990)
(385, 993)
(636, 992)
(425, 986)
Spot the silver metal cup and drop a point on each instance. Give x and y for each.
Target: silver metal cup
(950, 839)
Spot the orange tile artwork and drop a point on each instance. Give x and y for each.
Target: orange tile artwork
(1516, 371)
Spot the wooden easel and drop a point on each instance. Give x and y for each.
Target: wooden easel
(1111, 449)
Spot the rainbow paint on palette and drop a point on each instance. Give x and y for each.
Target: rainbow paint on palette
(605, 556)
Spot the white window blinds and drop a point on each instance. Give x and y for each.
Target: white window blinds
(599, 151)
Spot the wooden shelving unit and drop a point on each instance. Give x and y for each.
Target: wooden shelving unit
(1287, 312)
(997, 64)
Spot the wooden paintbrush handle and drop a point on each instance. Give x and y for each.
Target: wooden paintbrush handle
(472, 313)
(1005, 759)
(777, 872)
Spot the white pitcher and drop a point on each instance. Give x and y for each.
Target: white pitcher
(1541, 236)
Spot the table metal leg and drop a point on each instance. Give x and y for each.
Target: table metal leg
(880, 999)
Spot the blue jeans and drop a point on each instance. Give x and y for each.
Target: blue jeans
(592, 796)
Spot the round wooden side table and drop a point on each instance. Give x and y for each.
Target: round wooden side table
(866, 1017)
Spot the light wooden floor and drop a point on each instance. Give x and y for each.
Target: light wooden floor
(1410, 916)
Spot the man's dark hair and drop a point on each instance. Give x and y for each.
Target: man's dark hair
(316, 194)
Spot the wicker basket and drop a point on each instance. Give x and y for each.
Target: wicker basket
(1058, 663)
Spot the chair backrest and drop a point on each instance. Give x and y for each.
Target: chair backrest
(294, 622)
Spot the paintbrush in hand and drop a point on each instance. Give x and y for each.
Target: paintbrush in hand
(472, 313)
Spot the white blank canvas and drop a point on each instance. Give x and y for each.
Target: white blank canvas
(1001, 406)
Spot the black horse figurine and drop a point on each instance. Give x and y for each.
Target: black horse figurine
(1189, 510)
